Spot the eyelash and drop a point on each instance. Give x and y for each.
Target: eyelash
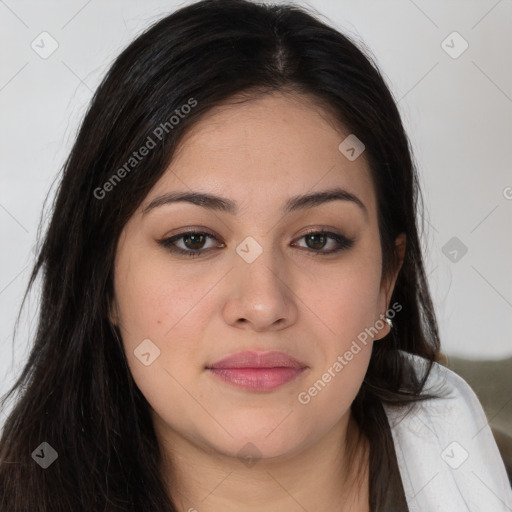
(168, 243)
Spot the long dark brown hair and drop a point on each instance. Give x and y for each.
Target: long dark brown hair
(76, 392)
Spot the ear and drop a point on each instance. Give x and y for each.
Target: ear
(388, 283)
(113, 314)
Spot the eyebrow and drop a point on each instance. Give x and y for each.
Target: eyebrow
(222, 204)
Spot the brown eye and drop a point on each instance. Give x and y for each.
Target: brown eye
(192, 243)
(194, 240)
(318, 240)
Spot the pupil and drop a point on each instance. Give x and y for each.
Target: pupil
(317, 238)
(194, 238)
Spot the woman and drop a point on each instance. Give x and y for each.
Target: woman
(234, 313)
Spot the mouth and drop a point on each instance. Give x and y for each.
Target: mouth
(257, 371)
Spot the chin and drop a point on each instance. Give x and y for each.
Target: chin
(258, 440)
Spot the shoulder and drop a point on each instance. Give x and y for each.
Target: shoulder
(454, 411)
(453, 393)
(445, 444)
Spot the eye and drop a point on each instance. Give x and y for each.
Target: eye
(193, 242)
(317, 240)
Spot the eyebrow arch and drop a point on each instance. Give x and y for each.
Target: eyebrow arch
(213, 202)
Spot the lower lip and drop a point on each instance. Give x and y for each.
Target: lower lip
(257, 379)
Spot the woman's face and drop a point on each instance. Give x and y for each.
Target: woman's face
(260, 284)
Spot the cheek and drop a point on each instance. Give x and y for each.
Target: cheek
(335, 381)
(155, 299)
(163, 305)
(346, 308)
(155, 306)
(346, 299)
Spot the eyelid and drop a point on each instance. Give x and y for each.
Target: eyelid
(168, 241)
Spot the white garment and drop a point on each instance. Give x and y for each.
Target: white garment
(447, 455)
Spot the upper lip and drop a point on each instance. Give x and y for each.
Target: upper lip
(256, 359)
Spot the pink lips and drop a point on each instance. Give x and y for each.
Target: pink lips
(257, 371)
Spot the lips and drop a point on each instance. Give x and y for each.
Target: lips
(254, 359)
(257, 371)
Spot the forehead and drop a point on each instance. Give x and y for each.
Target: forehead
(265, 150)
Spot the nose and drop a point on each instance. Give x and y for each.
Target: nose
(261, 295)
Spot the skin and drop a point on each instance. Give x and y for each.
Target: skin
(198, 310)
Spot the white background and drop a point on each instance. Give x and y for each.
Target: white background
(458, 114)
